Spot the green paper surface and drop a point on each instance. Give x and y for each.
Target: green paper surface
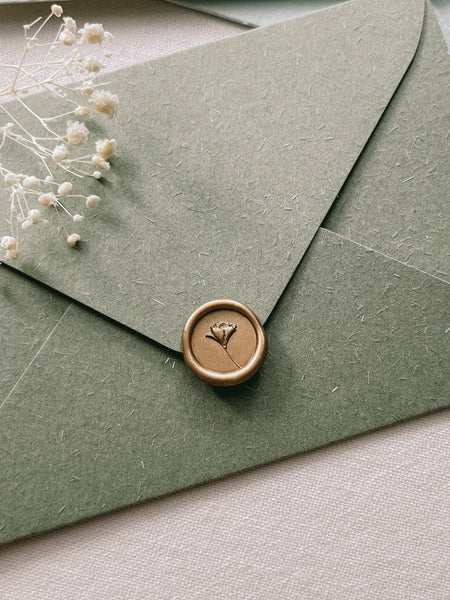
(357, 341)
(94, 416)
(231, 155)
(257, 13)
(396, 200)
(29, 313)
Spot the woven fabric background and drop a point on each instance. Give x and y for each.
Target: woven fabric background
(365, 519)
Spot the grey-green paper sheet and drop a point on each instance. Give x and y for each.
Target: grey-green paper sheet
(312, 186)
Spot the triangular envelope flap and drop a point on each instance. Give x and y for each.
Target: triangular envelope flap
(230, 156)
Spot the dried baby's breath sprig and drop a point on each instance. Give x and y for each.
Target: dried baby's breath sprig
(52, 64)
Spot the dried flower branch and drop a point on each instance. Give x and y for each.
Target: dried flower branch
(53, 65)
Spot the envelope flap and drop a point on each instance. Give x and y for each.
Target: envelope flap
(230, 156)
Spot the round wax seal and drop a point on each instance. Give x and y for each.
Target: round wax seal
(224, 343)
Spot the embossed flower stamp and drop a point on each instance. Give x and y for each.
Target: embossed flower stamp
(221, 333)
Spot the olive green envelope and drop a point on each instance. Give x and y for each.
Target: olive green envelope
(311, 186)
(257, 13)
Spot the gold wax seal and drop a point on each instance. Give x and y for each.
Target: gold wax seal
(224, 343)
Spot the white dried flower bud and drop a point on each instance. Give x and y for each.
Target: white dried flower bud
(87, 87)
(12, 179)
(57, 10)
(92, 65)
(14, 253)
(48, 179)
(73, 239)
(105, 102)
(47, 199)
(82, 111)
(77, 133)
(67, 37)
(107, 53)
(8, 242)
(105, 148)
(65, 188)
(60, 153)
(31, 183)
(70, 24)
(34, 215)
(92, 33)
(26, 224)
(78, 218)
(92, 201)
(97, 174)
(100, 163)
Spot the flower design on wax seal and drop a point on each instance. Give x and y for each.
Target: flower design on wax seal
(221, 333)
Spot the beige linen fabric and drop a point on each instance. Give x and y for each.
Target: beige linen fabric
(366, 519)
(142, 29)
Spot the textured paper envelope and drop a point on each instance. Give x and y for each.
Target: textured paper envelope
(257, 13)
(232, 155)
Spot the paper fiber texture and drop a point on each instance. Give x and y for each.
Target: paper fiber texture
(230, 156)
(357, 341)
(257, 13)
(94, 416)
(397, 198)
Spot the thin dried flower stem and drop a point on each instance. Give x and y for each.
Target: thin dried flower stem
(64, 61)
